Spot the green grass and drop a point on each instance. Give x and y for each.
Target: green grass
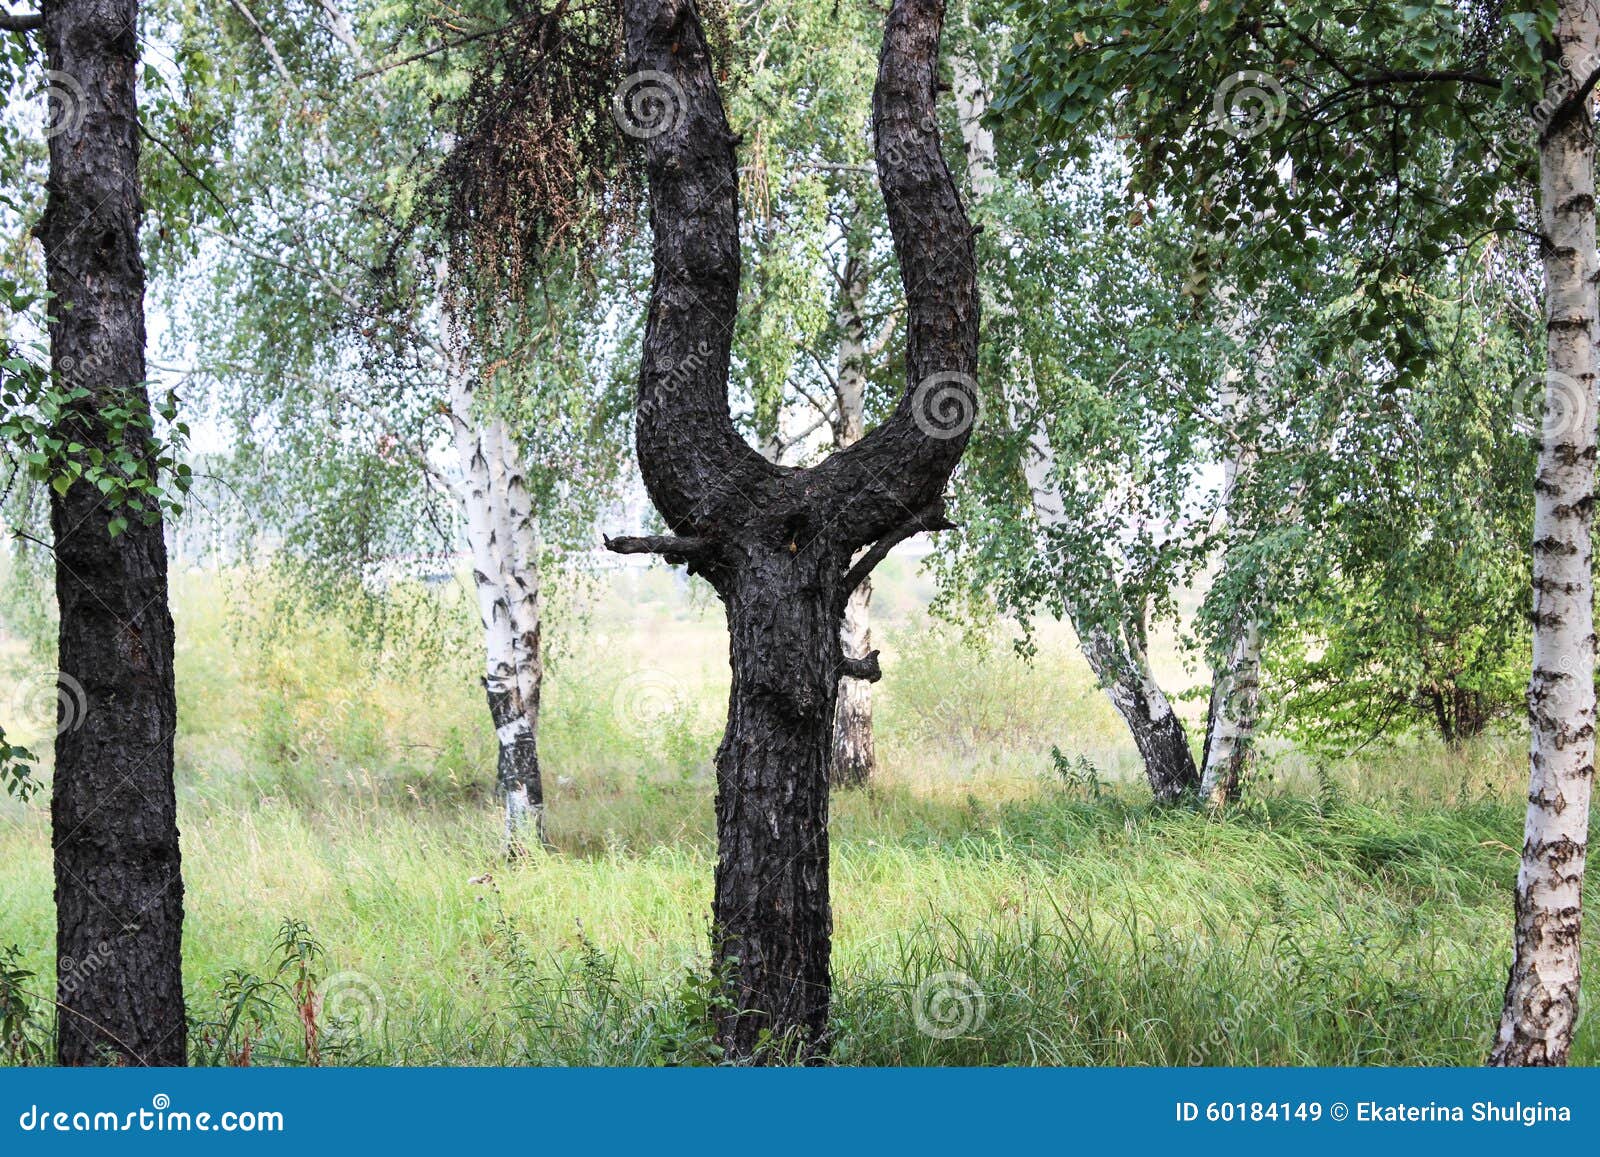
(1357, 914)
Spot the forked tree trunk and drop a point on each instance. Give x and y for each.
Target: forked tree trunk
(777, 543)
(500, 536)
(119, 890)
(853, 754)
(1541, 1002)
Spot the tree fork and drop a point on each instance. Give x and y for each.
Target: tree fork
(776, 543)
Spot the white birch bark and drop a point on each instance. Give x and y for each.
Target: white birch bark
(1236, 683)
(1116, 656)
(500, 537)
(972, 101)
(1230, 732)
(1541, 1001)
(853, 754)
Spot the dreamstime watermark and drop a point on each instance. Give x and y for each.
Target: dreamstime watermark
(1248, 104)
(160, 1117)
(674, 374)
(1551, 406)
(64, 97)
(946, 405)
(645, 700)
(73, 974)
(949, 1004)
(896, 147)
(354, 1002)
(647, 104)
(51, 699)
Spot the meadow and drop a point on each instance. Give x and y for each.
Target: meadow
(1003, 894)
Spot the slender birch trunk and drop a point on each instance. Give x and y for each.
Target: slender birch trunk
(972, 102)
(1541, 1002)
(517, 547)
(1119, 659)
(500, 536)
(1116, 657)
(853, 755)
(1231, 721)
(1236, 682)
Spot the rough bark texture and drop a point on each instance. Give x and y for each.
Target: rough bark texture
(1541, 1004)
(777, 543)
(119, 892)
(500, 535)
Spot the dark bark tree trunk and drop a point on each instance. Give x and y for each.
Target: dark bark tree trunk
(777, 543)
(119, 892)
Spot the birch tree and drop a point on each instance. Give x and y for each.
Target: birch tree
(1417, 128)
(414, 430)
(1541, 1004)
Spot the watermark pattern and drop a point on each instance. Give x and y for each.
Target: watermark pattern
(645, 700)
(1552, 406)
(946, 405)
(72, 975)
(647, 104)
(898, 146)
(353, 1001)
(949, 1004)
(675, 375)
(65, 103)
(51, 698)
(1248, 104)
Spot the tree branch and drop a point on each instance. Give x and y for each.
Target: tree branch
(227, 211)
(930, 519)
(865, 667)
(1569, 105)
(670, 547)
(693, 179)
(905, 462)
(21, 21)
